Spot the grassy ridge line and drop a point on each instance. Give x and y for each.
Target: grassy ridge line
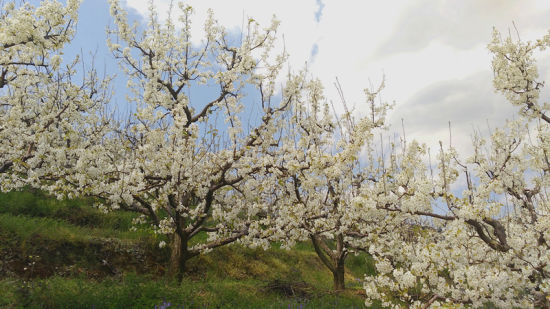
(79, 221)
(26, 227)
(72, 238)
(233, 261)
(76, 211)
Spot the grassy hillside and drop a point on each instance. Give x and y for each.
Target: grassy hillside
(66, 254)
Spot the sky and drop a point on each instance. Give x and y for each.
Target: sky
(432, 52)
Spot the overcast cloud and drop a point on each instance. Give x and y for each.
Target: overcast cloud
(432, 52)
(461, 24)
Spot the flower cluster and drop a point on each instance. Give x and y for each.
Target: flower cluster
(48, 116)
(489, 244)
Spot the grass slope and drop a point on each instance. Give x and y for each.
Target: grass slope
(66, 254)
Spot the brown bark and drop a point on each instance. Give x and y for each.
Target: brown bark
(178, 257)
(181, 253)
(333, 260)
(338, 276)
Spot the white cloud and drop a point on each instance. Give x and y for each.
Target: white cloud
(461, 24)
(427, 114)
(425, 48)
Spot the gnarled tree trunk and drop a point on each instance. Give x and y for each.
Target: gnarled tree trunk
(179, 256)
(332, 259)
(338, 275)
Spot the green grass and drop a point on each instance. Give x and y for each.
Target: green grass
(76, 211)
(134, 291)
(27, 227)
(70, 240)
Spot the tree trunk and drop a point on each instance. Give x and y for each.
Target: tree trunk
(178, 257)
(338, 276)
(333, 260)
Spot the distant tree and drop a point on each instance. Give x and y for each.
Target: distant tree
(48, 111)
(322, 165)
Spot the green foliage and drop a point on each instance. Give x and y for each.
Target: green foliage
(360, 265)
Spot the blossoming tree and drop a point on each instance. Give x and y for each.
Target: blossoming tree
(320, 166)
(47, 113)
(186, 173)
(492, 243)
